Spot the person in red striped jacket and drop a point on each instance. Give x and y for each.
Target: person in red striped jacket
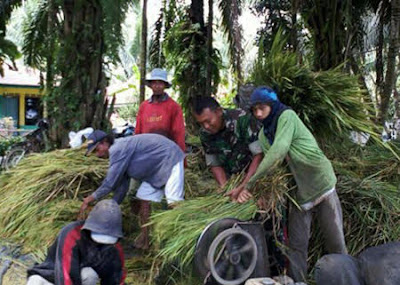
(85, 252)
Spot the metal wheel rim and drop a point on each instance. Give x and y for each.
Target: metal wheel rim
(10, 159)
(210, 257)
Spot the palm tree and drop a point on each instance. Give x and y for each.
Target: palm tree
(75, 40)
(391, 73)
(231, 11)
(143, 51)
(209, 47)
(8, 50)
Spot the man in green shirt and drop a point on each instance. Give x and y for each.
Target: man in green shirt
(284, 136)
(229, 138)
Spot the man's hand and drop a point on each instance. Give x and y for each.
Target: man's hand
(84, 206)
(234, 193)
(244, 196)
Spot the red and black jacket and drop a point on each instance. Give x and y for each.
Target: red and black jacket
(74, 250)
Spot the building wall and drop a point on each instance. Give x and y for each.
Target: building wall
(14, 96)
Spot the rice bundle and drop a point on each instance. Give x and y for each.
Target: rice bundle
(43, 193)
(176, 231)
(328, 102)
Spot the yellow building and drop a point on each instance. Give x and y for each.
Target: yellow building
(20, 97)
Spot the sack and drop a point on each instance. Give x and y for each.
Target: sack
(242, 99)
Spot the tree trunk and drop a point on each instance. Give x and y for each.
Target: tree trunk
(238, 41)
(294, 33)
(193, 74)
(143, 52)
(197, 12)
(379, 56)
(326, 22)
(391, 74)
(209, 48)
(79, 101)
(50, 44)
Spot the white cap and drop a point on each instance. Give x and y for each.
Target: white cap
(101, 238)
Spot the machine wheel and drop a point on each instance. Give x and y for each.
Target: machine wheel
(232, 256)
(13, 157)
(208, 235)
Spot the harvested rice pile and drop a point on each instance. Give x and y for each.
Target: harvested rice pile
(44, 193)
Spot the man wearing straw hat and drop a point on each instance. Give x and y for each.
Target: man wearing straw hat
(160, 115)
(152, 159)
(85, 251)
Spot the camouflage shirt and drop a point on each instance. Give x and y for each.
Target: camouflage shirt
(232, 148)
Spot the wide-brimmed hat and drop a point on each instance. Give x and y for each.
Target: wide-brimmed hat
(94, 139)
(158, 74)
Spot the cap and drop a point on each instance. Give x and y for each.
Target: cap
(94, 139)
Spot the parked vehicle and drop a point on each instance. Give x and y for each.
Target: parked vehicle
(34, 141)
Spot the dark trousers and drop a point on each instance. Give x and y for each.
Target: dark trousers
(329, 214)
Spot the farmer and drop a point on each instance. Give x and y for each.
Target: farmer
(375, 265)
(150, 158)
(85, 251)
(285, 137)
(161, 115)
(229, 138)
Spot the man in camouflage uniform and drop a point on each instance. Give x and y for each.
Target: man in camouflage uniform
(230, 141)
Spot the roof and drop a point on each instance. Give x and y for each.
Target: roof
(23, 77)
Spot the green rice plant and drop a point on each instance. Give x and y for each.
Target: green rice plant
(371, 215)
(176, 231)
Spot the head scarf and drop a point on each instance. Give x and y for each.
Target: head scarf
(266, 95)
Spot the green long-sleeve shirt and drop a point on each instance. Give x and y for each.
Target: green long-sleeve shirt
(311, 169)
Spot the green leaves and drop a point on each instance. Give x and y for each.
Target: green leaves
(329, 102)
(6, 143)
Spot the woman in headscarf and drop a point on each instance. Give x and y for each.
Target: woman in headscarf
(285, 137)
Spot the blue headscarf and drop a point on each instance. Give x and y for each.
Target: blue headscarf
(266, 95)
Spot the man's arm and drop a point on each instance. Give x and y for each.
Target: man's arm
(234, 193)
(278, 150)
(113, 179)
(67, 269)
(219, 175)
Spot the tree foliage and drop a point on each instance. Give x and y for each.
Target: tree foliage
(329, 102)
(84, 36)
(8, 50)
(186, 51)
